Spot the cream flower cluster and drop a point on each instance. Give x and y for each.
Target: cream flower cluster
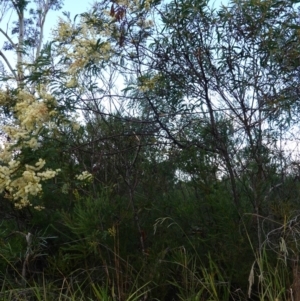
(21, 182)
(135, 5)
(85, 176)
(20, 188)
(83, 48)
(148, 84)
(31, 112)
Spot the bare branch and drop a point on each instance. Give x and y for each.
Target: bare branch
(8, 38)
(8, 65)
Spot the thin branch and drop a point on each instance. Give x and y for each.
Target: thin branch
(8, 38)
(8, 65)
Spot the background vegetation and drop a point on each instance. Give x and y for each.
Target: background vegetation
(149, 151)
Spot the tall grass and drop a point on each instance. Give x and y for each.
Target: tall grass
(190, 275)
(271, 276)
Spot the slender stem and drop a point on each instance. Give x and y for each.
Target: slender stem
(8, 38)
(8, 65)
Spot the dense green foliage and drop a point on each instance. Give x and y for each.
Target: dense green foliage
(169, 134)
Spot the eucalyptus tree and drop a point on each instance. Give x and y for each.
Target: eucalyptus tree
(22, 31)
